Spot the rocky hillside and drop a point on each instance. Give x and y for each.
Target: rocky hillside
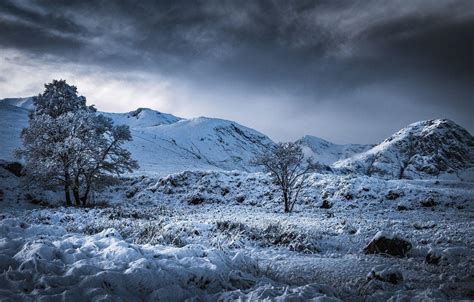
(426, 149)
(328, 153)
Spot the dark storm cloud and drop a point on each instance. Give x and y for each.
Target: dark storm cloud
(312, 50)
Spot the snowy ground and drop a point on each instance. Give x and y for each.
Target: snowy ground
(222, 235)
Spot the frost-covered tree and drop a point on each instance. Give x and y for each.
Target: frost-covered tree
(67, 143)
(59, 98)
(288, 169)
(102, 155)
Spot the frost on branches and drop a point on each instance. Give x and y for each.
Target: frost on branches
(289, 170)
(68, 144)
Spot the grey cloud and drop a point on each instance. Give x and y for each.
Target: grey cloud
(313, 51)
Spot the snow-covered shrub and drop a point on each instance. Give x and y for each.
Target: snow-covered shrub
(272, 234)
(150, 233)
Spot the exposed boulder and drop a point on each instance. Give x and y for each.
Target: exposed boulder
(13, 167)
(384, 273)
(240, 198)
(384, 243)
(428, 202)
(403, 206)
(325, 204)
(392, 195)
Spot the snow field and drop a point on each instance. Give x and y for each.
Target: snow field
(209, 215)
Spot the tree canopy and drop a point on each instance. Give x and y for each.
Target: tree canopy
(67, 143)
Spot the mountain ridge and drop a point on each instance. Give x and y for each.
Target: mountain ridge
(326, 152)
(164, 143)
(424, 149)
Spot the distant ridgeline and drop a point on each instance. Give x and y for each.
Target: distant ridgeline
(163, 144)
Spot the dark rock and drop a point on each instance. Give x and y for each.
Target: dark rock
(326, 204)
(240, 198)
(386, 244)
(385, 274)
(195, 200)
(401, 207)
(392, 195)
(428, 202)
(13, 167)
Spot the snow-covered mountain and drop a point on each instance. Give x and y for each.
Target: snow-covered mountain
(142, 118)
(26, 103)
(162, 143)
(12, 120)
(200, 143)
(328, 153)
(426, 149)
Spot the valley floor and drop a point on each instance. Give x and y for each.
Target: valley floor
(222, 236)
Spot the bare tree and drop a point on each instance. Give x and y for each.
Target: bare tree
(289, 170)
(106, 155)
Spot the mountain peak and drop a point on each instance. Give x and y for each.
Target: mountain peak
(422, 149)
(326, 152)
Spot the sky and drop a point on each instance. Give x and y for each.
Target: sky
(345, 71)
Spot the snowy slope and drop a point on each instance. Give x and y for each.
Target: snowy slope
(142, 117)
(196, 144)
(426, 149)
(12, 120)
(236, 244)
(328, 153)
(162, 143)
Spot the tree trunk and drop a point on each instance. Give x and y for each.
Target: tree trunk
(67, 182)
(285, 198)
(77, 199)
(85, 198)
(67, 194)
(75, 190)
